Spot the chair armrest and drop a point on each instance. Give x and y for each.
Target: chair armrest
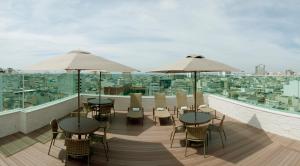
(202, 106)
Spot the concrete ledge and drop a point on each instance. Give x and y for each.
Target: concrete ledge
(281, 123)
(30, 119)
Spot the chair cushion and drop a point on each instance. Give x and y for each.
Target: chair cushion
(136, 109)
(135, 114)
(181, 110)
(162, 114)
(160, 109)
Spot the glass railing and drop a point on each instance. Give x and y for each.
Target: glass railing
(279, 93)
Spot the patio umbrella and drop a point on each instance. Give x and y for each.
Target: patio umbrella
(80, 60)
(195, 63)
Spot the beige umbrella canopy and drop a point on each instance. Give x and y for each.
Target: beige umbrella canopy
(81, 60)
(195, 63)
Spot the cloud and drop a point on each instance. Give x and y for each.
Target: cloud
(147, 34)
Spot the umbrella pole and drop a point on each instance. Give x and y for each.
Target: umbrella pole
(100, 75)
(78, 97)
(195, 92)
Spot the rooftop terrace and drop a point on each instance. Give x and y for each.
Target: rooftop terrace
(150, 145)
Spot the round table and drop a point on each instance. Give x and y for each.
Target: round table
(189, 118)
(102, 101)
(87, 126)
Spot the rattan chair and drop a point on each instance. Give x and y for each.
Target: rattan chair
(87, 109)
(105, 110)
(218, 128)
(202, 106)
(113, 106)
(135, 110)
(176, 129)
(181, 102)
(55, 132)
(81, 113)
(77, 148)
(196, 134)
(200, 100)
(160, 110)
(101, 138)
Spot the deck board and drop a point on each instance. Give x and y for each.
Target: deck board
(149, 145)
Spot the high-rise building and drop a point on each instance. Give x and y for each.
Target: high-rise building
(260, 69)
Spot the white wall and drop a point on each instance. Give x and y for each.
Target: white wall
(30, 119)
(122, 102)
(281, 123)
(35, 118)
(9, 122)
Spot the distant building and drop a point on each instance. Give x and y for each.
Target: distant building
(291, 89)
(2, 70)
(289, 72)
(153, 88)
(260, 69)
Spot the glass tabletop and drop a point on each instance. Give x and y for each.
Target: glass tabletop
(87, 125)
(103, 101)
(197, 118)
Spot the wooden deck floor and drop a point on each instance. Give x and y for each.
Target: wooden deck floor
(150, 145)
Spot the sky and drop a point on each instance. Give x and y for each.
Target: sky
(148, 34)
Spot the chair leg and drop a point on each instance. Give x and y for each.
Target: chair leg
(224, 134)
(171, 135)
(107, 147)
(50, 146)
(172, 138)
(106, 151)
(66, 158)
(207, 139)
(88, 160)
(221, 138)
(186, 143)
(114, 111)
(204, 150)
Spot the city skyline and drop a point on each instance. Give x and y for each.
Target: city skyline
(146, 35)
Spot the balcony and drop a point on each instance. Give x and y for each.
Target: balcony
(257, 132)
(148, 144)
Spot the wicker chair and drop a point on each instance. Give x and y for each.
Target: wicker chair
(105, 110)
(81, 114)
(55, 132)
(87, 109)
(102, 138)
(199, 100)
(160, 110)
(135, 110)
(202, 107)
(77, 148)
(197, 134)
(176, 129)
(113, 106)
(218, 128)
(181, 102)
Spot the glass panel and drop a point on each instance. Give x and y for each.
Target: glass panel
(10, 91)
(279, 93)
(43, 88)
